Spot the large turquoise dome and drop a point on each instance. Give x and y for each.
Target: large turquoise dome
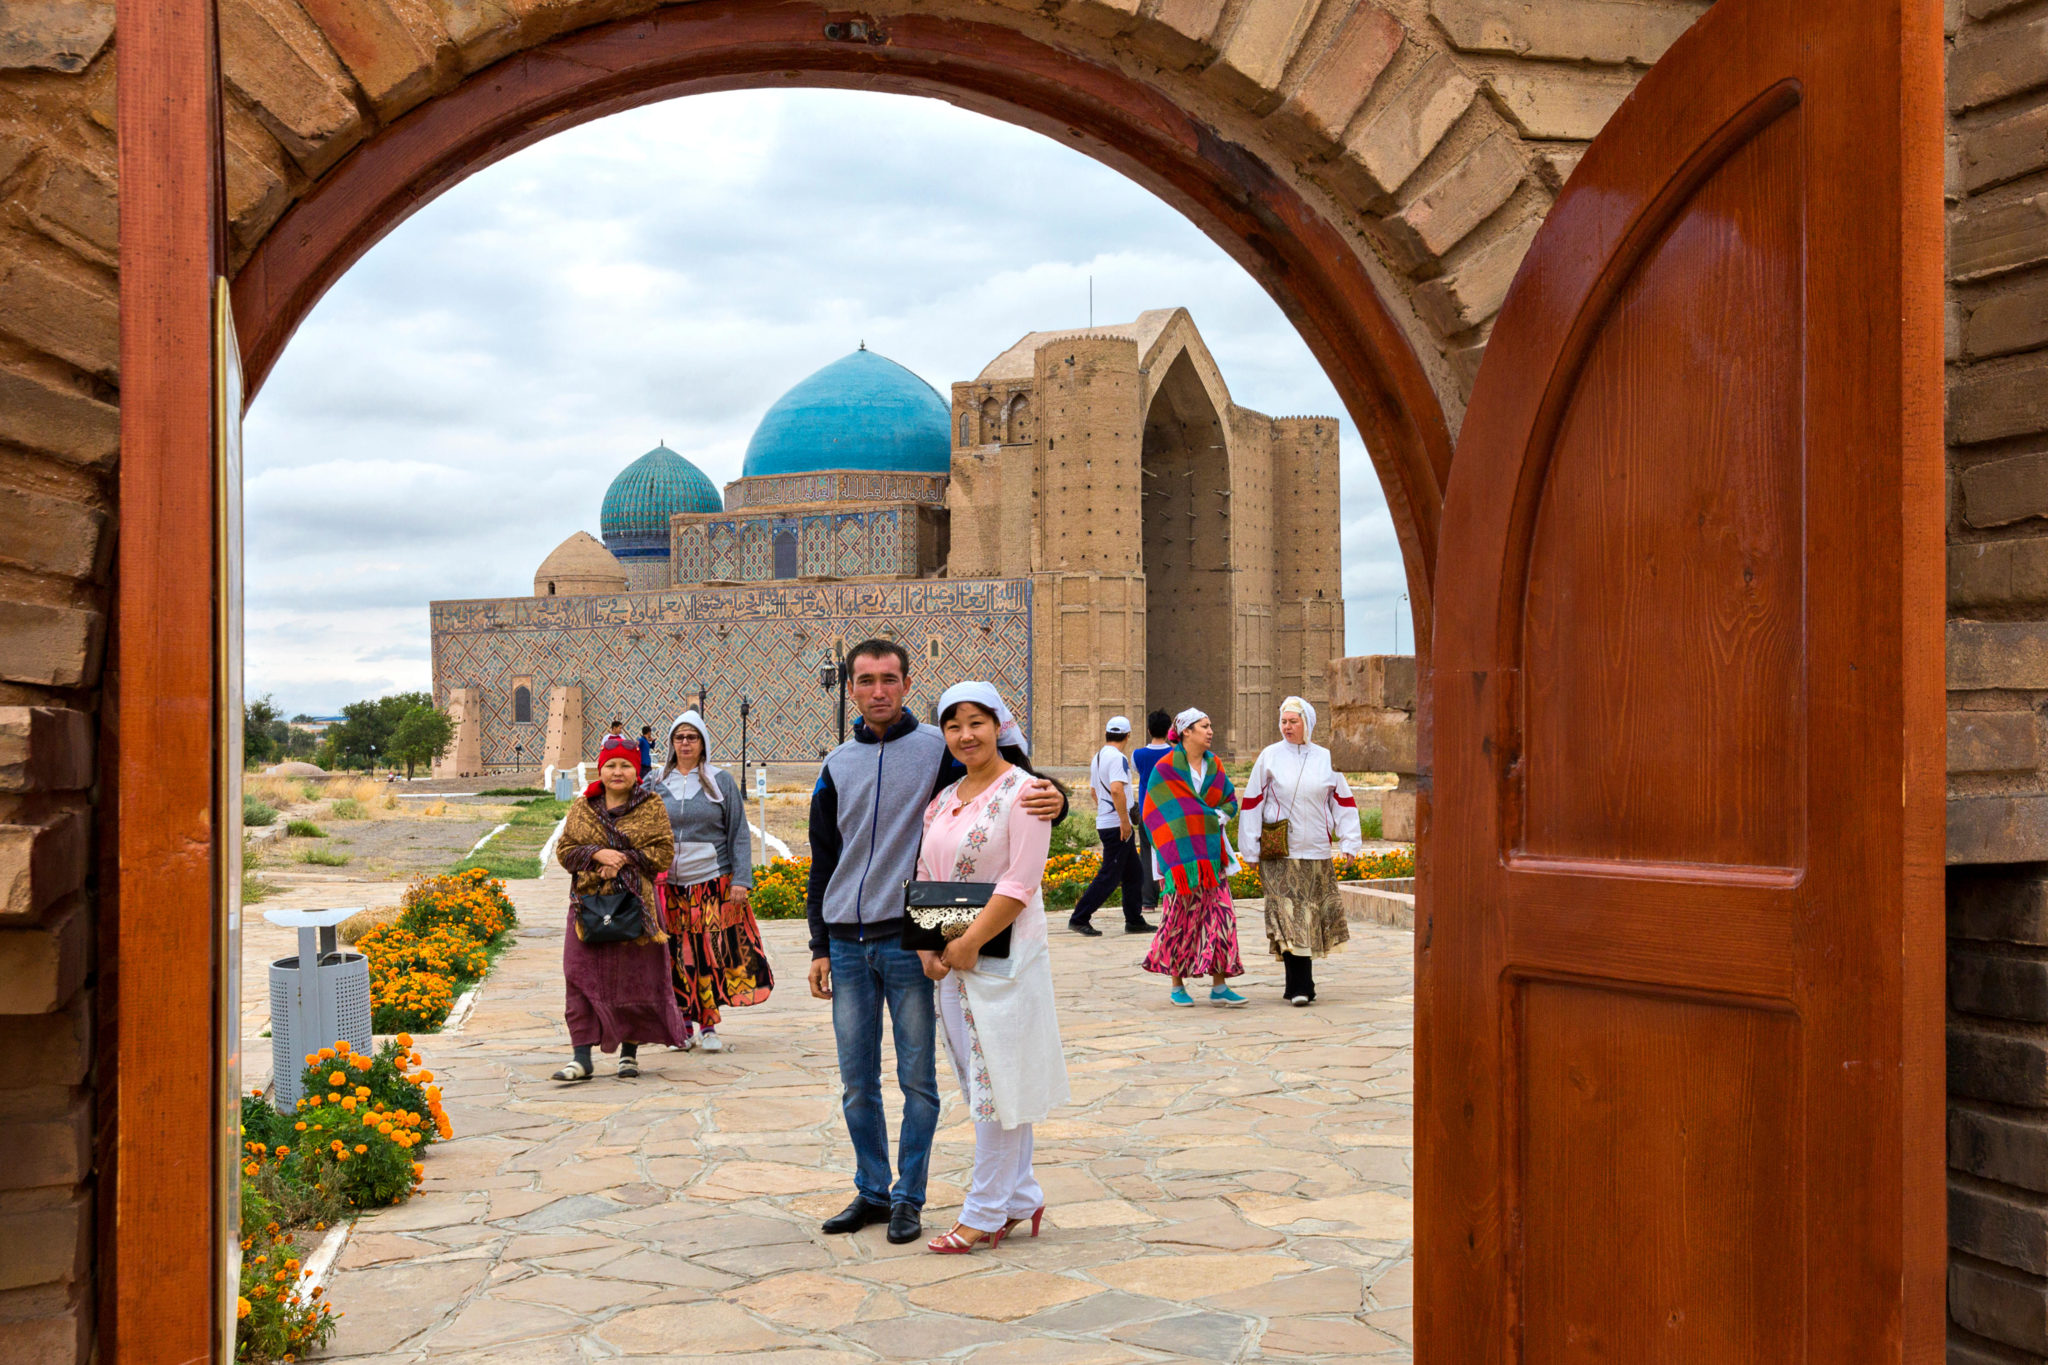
(645, 495)
(860, 412)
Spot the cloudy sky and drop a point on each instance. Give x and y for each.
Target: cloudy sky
(458, 403)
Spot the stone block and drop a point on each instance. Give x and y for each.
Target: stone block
(54, 35)
(2009, 1149)
(2009, 1228)
(1999, 573)
(1456, 202)
(2006, 149)
(42, 863)
(53, 1049)
(1995, 64)
(2004, 491)
(44, 748)
(273, 56)
(2013, 319)
(1397, 816)
(1346, 73)
(1396, 139)
(1986, 239)
(41, 968)
(1993, 742)
(1985, 9)
(1998, 986)
(397, 52)
(45, 1243)
(2004, 905)
(60, 1334)
(1609, 31)
(50, 646)
(2003, 1305)
(1558, 163)
(257, 191)
(53, 535)
(1997, 654)
(1373, 680)
(1998, 398)
(1997, 829)
(57, 420)
(2005, 1068)
(14, 154)
(1559, 102)
(1181, 29)
(1255, 55)
(75, 202)
(1371, 740)
(71, 315)
(1472, 291)
(51, 1151)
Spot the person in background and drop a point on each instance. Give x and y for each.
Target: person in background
(1187, 804)
(616, 838)
(616, 733)
(1143, 759)
(1115, 785)
(647, 748)
(869, 805)
(714, 943)
(1301, 806)
(1001, 1027)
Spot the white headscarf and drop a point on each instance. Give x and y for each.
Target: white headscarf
(988, 699)
(704, 776)
(1301, 707)
(1186, 718)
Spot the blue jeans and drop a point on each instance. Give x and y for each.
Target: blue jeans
(864, 976)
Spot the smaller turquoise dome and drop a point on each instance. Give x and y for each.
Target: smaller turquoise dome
(863, 411)
(647, 492)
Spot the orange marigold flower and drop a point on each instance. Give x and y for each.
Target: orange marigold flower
(404, 1040)
(361, 1148)
(336, 1079)
(242, 1307)
(341, 1047)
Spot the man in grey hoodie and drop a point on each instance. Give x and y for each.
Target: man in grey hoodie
(867, 820)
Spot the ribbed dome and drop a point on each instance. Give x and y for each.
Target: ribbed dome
(860, 412)
(652, 489)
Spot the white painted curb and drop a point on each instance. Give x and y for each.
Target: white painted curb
(547, 850)
(322, 1260)
(488, 837)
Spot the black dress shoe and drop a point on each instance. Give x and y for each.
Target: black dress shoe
(857, 1215)
(1078, 927)
(1141, 928)
(905, 1224)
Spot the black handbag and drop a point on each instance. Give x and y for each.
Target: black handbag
(619, 917)
(936, 913)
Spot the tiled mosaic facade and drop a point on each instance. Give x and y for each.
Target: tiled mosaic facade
(871, 542)
(837, 485)
(643, 655)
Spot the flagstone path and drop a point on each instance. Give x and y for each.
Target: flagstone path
(1227, 1185)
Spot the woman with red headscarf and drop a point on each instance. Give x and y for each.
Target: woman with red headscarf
(616, 840)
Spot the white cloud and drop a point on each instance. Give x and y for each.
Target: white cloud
(457, 404)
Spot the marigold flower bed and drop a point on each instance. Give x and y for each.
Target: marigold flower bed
(440, 944)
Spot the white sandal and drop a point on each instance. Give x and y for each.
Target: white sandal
(575, 1071)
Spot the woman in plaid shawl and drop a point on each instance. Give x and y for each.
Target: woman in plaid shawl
(1188, 801)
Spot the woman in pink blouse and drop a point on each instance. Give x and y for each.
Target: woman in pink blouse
(997, 1012)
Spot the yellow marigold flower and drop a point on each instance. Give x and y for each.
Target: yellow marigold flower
(341, 1047)
(242, 1307)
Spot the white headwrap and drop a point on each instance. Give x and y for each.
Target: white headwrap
(704, 774)
(1186, 718)
(991, 701)
(1301, 707)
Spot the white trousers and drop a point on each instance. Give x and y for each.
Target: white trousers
(1003, 1186)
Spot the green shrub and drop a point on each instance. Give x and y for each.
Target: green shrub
(394, 1088)
(348, 808)
(780, 888)
(256, 890)
(255, 812)
(324, 857)
(1369, 824)
(510, 791)
(1076, 833)
(304, 829)
(506, 863)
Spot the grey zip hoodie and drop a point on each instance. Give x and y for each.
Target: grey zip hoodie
(867, 820)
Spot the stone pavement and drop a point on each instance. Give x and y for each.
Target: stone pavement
(1227, 1185)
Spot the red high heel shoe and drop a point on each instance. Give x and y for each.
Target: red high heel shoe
(953, 1244)
(1035, 1220)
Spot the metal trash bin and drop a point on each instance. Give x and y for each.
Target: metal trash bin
(565, 784)
(317, 1007)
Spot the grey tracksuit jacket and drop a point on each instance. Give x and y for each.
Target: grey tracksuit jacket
(867, 820)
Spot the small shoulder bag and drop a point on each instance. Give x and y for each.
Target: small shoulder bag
(1273, 843)
(936, 913)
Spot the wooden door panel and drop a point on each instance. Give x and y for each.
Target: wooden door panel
(1661, 605)
(1678, 1086)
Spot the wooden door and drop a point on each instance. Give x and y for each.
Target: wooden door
(1679, 1092)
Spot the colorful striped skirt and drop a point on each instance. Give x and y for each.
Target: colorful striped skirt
(1197, 936)
(715, 953)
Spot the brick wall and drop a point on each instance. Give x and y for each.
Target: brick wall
(1998, 681)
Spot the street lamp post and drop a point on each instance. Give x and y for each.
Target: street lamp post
(830, 673)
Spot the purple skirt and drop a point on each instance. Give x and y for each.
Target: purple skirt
(618, 993)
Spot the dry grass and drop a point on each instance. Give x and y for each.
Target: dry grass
(361, 789)
(279, 792)
(362, 921)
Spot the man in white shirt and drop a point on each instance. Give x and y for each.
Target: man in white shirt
(1115, 784)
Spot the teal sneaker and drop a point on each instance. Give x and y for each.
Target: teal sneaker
(1223, 995)
(1180, 996)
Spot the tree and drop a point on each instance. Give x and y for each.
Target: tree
(422, 736)
(363, 735)
(260, 721)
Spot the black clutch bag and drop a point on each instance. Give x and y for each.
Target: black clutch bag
(936, 913)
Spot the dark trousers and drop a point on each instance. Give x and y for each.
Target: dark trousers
(1151, 883)
(1119, 868)
(1301, 975)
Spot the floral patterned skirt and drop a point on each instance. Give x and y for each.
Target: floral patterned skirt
(1303, 914)
(715, 953)
(1197, 936)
